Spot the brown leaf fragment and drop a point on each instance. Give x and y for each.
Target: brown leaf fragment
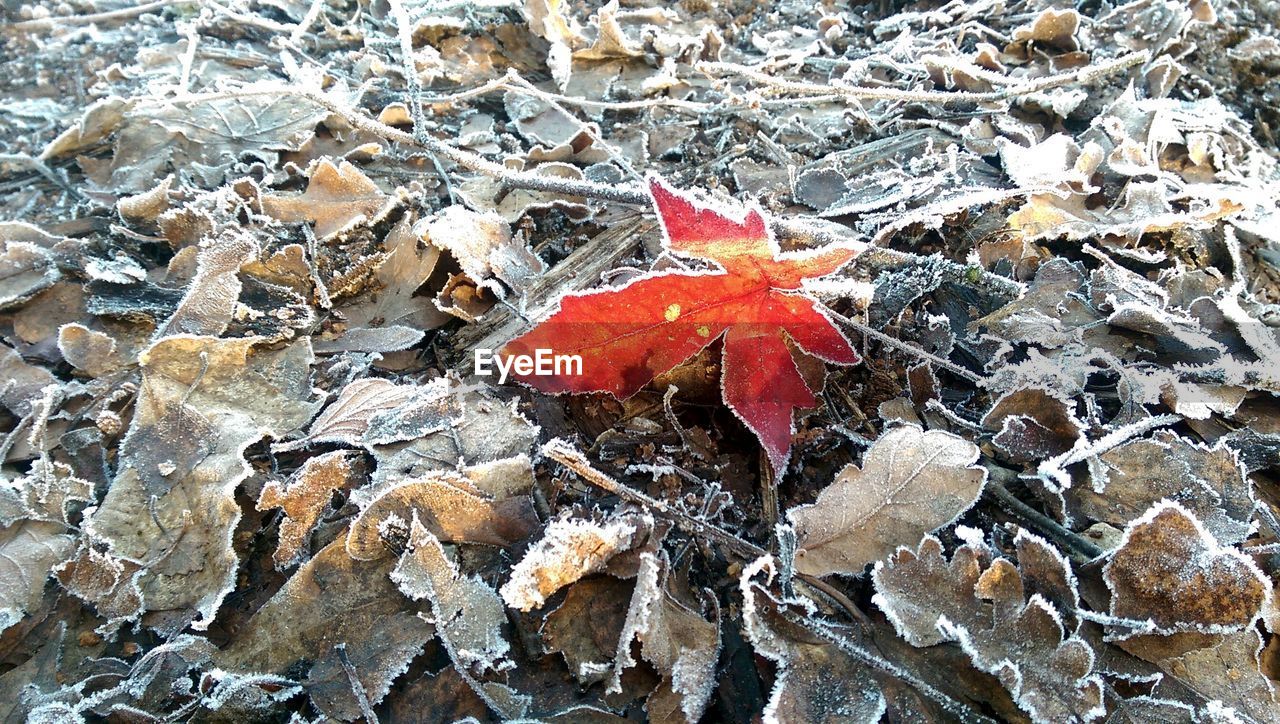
(912, 482)
(346, 419)
(331, 600)
(338, 198)
(1053, 28)
(1229, 673)
(570, 549)
(202, 402)
(1207, 481)
(25, 270)
(484, 247)
(109, 583)
(148, 205)
(1019, 640)
(404, 267)
(816, 682)
(92, 352)
(449, 506)
(467, 612)
(586, 626)
(1032, 424)
(682, 645)
(303, 498)
(210, 299)
(610, 42)
(1170, 571)
(28, 550)
(23, 382)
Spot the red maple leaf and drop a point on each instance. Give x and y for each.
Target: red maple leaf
(628, 335)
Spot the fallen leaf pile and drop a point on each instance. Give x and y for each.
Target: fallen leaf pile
(929, 361)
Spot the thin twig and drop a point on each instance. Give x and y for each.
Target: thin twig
(568, 456)
(362, 699)
(904, 346)
(996, 491)
(1083, 76)
(54, 23)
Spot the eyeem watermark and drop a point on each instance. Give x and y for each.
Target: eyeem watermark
(542, 363)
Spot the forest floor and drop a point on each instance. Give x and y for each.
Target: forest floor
(929, 354)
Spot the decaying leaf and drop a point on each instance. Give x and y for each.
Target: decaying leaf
(816, 682)
(347, 418)
(911, 482)
(393, 308)
(1169, 570)
(303, 498)
(1208, 481)
(202, 402)
(334, 601)
(467, 612)
(338, 198)
(1020, 640)
(28, 550)
(449, 506)
(210, 300)
(570, 549)
(485, 248)
(682, 645)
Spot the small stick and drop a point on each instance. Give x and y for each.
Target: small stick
(362, 698)
(1085, 75)
(53, 23)
(905, 346)
(568, 456)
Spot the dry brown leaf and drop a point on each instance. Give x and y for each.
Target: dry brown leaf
(449, 506)
(171, 506)
(303, 498)
(23, 382)
(468, 616)
(346, 419)
(816, 681)
(1208, 481)
(467, 612)
(92, 352)
(210, 299)
(1229, 672)
(334, 600)
(29, 549)
(587, 625)
(338, 198)
(682, 645)
(202, 139)
(1170, 571)
(485, 430)
(569, 550)
(26, 268)
(485, 249)
(1022, 641)
(912, 482)
(1032, 424)
(109, 583)
(405, 267)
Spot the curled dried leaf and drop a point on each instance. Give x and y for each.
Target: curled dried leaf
(569, 550)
